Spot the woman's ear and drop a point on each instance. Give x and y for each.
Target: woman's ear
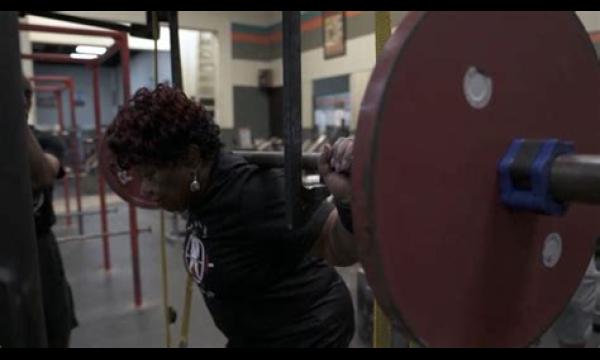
(194, 157)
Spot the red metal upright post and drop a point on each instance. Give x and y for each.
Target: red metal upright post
(61, 129)
(101, 188)
(59, 109)
(76, 156)
(69, 84)
(135, 263)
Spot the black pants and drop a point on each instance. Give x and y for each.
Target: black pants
(57, 297)
(328, 324)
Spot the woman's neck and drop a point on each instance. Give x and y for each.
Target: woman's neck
(204, 177)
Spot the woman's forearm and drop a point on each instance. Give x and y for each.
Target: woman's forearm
(336, 244)
(343, 244)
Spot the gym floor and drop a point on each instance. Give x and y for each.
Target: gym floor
(104, 299)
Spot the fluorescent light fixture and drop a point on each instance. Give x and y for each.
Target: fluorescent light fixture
(86, 49)
(83, 56)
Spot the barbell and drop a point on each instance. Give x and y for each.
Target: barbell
(472, 191)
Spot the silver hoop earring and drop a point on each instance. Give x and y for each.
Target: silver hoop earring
(195, 185)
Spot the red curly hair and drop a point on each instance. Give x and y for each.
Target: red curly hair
(156, 127)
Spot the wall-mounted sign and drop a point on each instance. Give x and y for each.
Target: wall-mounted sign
(334, 34)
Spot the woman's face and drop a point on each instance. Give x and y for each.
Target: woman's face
(167, 186)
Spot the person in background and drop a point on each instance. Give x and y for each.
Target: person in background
(45, 155)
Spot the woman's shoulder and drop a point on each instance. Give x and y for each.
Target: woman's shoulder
(262, 190)
(239, 184)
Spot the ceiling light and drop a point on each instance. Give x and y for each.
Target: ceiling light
(83, 56)
(86, 49)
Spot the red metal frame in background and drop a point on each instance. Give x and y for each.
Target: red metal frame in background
(69, 84)
(57, 91)
(101, 182)
(47, 88)
(120, 45)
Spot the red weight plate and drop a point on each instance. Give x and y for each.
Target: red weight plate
(124, 183)
(444, 257)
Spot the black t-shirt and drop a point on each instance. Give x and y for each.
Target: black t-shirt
(257, 277)
(42, 199)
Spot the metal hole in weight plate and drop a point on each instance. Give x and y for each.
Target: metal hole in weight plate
(477, 88)
(552, 250)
